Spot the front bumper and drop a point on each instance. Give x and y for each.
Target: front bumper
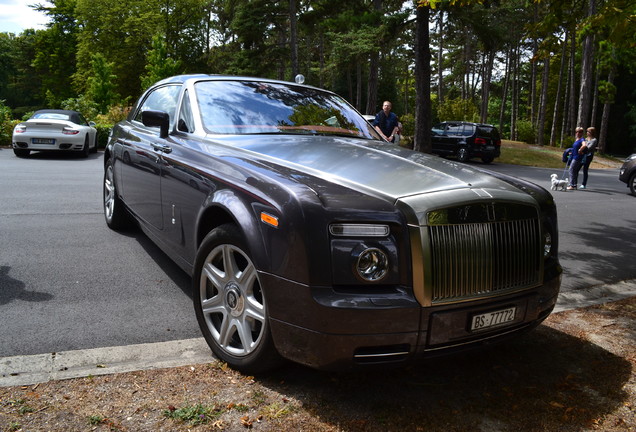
(327, 330)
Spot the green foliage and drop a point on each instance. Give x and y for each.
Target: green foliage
(101, 83)
(526, 132)
(6, 124)
(159, 64)
(82, 104)
(458, 109)
(193, 414)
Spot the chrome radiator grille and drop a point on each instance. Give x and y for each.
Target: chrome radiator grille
(480, 259)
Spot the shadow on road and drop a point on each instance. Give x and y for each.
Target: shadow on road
(13, 289)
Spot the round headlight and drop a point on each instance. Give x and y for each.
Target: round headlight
(547, 244)
(372, 264)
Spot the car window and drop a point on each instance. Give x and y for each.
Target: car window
(468, 130)
(186, 121)
(454, 129)
(161, 99)
(51, 116)
(488, 131)
(249, 107)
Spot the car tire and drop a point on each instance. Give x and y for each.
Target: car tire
(86, 150)
(462, 154)
(22, 153)
(230, 305)
(114, 212)
(487, 159)
(632, 184)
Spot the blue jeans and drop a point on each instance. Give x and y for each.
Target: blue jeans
(575, 167)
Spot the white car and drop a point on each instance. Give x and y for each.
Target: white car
(55, 130)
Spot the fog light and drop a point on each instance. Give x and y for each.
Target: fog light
(547, 244)
(372, 265)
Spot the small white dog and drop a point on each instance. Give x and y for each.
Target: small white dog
(558, 184)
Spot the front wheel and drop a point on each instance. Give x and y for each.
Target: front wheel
(462, 154)
(632, 184)
(114, 211)
(230, 303)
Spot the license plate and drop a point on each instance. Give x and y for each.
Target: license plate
(42, 141)
(492, 319)
(490, 147)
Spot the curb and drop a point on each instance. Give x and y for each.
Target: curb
(40, 368)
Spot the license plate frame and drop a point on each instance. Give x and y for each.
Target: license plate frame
(45, 141)
(493, 319)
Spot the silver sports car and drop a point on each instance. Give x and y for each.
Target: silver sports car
(55, 130)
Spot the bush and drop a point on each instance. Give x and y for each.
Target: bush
(526, 132)
(6, 124)
(103, 132)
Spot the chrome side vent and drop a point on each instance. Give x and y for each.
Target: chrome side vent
(500, 253)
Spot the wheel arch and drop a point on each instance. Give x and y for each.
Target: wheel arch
(226, 207)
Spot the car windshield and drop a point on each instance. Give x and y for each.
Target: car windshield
(251, 107)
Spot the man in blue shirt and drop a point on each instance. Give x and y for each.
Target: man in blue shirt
(577, 158)
(386, 123)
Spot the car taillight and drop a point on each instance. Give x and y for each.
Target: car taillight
(498, 142)
(19, 129)
(480, 141)
(69, 131)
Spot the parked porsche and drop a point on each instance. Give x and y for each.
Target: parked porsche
(309, 238)
(55, 130)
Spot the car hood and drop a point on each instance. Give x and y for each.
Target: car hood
(381, 169)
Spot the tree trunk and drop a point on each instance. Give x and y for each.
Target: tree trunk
(587, 66)
(543, 102)
(504, 97)
(485, 85)
(440, 58)
(555, 113)
(422, 139)
(595, 93)
(569, 127)
(374, 64)
(515, 93)
(293, 37)
(602, 137)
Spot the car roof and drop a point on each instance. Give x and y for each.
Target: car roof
(468, 123)
(56, 111)
(181, 79)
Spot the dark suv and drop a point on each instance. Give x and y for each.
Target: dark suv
(628, 173)
(465, 140)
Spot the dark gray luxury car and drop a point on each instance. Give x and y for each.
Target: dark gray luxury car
(311, 239)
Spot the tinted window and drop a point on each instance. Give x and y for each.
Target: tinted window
(161, 99)
(488, 132)
(469, 130)
(455, 129)
(244, 107)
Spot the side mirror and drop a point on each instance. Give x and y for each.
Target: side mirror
(159, 119)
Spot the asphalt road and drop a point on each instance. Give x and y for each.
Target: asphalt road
(67, 282)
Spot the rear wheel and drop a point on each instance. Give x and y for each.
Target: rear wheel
(632, 184)
(114, 211)
(21, 153)
(462, 154)
(487, 159)
(230, 304)
(86, 150)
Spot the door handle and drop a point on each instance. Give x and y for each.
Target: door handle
(162, 148)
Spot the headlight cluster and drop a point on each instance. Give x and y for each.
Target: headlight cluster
(365, 249)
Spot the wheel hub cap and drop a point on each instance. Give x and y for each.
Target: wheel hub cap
(234, 300)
